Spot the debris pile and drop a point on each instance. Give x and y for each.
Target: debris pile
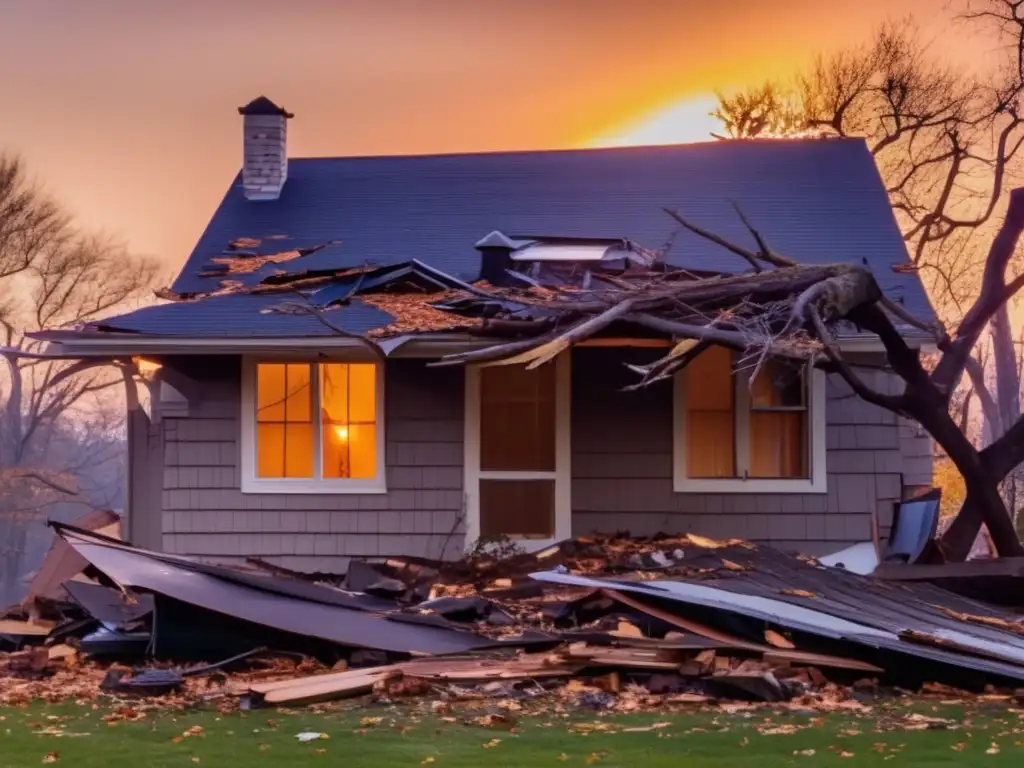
(612, 623)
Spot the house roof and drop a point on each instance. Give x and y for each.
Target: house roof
(818, 201)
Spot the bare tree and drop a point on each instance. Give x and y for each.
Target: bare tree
(51, 274)
(945, 143)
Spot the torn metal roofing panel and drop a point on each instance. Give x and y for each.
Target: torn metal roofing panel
(109, 605)
(815, 200)
(817, 617)
(62, 563)
(333, 623)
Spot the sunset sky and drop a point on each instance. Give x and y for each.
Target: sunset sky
(126, 110)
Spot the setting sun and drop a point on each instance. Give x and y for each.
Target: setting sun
(686, 121)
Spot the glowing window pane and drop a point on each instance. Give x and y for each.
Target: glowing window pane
(711, 415)
(348, 393)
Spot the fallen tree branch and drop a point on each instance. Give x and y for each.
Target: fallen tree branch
(856, 383)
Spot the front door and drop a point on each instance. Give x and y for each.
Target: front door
(517, 476)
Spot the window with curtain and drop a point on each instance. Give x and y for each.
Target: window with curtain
(736, 427)
(316, 421)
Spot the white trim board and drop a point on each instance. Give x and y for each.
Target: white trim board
(817, 452)
(301, 485)
(422, 345)
(562, 475)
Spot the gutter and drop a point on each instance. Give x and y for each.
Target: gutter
(71, 345)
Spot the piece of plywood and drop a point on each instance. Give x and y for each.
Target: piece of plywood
(25, 628)
(318, 690)
(338, 678)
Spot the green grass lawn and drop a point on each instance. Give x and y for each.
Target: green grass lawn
(78, 736)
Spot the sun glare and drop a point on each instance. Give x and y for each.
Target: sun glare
(683, 122)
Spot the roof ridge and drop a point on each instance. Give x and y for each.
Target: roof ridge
(633, 149)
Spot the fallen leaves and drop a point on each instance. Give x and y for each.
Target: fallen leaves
(805, 752)
(493, 720)
(51, 757)
(797, 592)
(993, 749)
(492, 744)
(777, 640)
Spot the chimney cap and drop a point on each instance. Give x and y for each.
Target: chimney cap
(263, 106)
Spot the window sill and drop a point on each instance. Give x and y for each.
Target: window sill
(754, 485)
(311, 487)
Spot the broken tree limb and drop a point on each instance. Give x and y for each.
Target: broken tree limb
(488, 354)
(735, 339)
(843, 368)
(766, 253)
(994, 294)
(549, 350)
(750, 256)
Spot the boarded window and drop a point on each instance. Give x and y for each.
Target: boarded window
(735, 431)
(340, 443)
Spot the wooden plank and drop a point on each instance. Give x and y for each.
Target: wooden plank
(35, 629)
(792, 657)
(818, 660)
(610, 341)
(334, 677)
(618, 661)
(687, 624)
(317, 691)
(1003, 566)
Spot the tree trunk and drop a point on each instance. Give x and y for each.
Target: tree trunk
(12, 560)
(983, 504)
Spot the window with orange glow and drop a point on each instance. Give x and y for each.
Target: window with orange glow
(738, 428)
(316, 421)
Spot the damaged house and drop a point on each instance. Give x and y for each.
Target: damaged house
(286, 400)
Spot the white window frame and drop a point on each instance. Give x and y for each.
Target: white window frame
(251, 483)
(816, 482)
(561, 475)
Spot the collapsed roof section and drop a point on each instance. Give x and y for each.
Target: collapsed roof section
(534, 297)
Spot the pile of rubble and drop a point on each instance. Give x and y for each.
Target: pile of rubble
(610, 623)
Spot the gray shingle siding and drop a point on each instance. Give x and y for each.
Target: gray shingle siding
(622, 468)
(206, 514)
(621, 474)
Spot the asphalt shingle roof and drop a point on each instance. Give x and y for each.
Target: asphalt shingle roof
(815, 200)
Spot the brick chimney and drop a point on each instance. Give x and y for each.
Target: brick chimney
(264, 149)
